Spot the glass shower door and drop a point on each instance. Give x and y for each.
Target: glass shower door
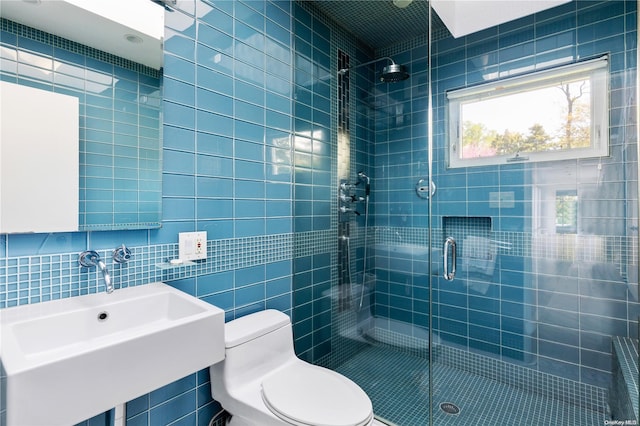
(383, 284)
(546, 275)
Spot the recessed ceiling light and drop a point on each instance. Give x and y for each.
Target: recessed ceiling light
(401, 4)
(131, 38)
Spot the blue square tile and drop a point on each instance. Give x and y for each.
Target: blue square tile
(173, 409)
(217, 39)
(179, 68)
(214, 208)
(214, 123)
(277, 31)
(249, 227)
(215, 81)
(172, 390)
(213, 59)
(223, 300)
(249, 209)
(179, 115)
(255, 131)
(249, 170)
(213, 101)
(252, 35)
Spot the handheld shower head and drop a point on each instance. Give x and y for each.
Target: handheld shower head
(364, 178)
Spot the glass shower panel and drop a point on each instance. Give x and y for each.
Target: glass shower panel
(381, 318)
(545, 291)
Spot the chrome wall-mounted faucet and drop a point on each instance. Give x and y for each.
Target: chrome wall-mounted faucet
(91, 258)
(121, 254)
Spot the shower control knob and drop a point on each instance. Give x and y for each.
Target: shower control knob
(425, 189)
(344, 209)
(346, 187)
(121, 254)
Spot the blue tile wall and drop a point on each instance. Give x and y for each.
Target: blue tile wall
(314, 181)
(227, 121)
(231, 168)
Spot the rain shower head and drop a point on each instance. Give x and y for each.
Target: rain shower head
(392, 73)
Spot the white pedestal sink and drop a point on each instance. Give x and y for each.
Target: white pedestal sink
(68, 360)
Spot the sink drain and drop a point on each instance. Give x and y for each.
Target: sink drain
(102, 316)
(449, 408)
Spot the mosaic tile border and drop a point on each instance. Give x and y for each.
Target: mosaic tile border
(315, 242)
(618, 250)
(34, 279)
(72, 46)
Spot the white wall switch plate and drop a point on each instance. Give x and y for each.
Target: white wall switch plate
(192, 245)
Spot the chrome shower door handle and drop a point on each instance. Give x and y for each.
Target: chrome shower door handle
(449, 243)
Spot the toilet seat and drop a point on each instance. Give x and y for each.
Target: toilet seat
(307, 395)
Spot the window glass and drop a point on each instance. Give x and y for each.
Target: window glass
(566, 211)
(553, 114)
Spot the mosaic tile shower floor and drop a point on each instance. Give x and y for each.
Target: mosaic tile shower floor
(398, 386)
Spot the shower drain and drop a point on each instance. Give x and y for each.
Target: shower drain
(449, 408)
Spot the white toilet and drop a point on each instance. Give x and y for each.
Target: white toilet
(261, 382)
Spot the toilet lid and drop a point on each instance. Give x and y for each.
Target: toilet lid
(304, 394)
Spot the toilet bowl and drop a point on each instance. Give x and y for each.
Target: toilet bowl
(261, 382)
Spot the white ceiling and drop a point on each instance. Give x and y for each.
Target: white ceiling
(379, 24)
(104, 25)
(464, 17)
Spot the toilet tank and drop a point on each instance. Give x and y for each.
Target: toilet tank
(255, 345)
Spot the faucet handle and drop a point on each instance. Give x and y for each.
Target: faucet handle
(122, 254)
(89, 258)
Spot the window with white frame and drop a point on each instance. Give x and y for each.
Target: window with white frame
(554, 114)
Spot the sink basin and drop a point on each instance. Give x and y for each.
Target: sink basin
(78, 357)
